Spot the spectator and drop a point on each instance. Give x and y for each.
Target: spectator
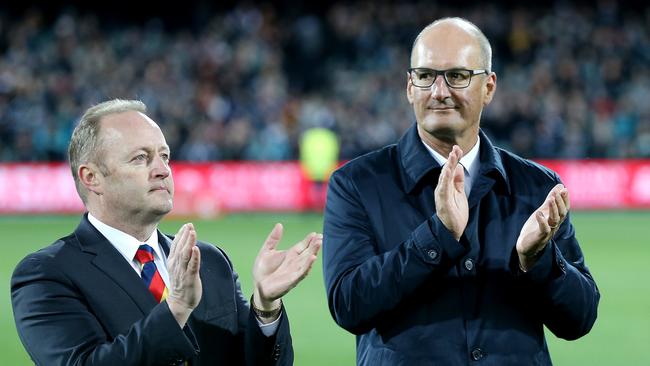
(575, 75)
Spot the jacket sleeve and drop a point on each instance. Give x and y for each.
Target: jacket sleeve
(561, 284)
(57, 328)
(273, 350)
(363, 282)
(259, 349)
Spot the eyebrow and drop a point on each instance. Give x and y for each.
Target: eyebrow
(149, 149)
(449, 68)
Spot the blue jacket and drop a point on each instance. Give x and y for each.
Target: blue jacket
(413, 295)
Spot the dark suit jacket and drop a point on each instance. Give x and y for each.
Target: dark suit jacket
(413, 295)
(78, 302)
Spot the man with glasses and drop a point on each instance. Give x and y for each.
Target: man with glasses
(443, 249)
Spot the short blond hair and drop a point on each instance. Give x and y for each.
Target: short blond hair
(85, 143)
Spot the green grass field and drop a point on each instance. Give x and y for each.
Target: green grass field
(616, 247)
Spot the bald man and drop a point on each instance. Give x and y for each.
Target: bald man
(443, 249)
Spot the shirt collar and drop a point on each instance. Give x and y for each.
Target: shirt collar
(417, 162)
(126, 244)
(469, 161)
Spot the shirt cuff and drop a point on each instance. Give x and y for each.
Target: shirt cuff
(269, 329)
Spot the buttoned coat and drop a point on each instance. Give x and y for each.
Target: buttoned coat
(413, 295)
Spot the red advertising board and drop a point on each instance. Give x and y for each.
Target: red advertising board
(605, 184)
(208, 189)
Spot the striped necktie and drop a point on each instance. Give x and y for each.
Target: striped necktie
(150, 274)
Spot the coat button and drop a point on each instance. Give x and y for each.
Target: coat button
(432, 253)
(477, 354)
(469, 264)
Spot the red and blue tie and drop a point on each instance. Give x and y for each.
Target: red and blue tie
(150, 274)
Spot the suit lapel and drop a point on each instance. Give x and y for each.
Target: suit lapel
(108, 260)
(164, 242)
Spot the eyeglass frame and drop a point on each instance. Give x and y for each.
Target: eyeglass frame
(444, 77)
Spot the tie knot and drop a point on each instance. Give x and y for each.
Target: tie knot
(144, 254)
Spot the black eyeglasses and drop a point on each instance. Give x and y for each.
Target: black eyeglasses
(423, 77)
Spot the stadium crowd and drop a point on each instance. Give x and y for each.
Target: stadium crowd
(244, 83)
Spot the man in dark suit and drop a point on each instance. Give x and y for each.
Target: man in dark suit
(443, 249)
(119, 292)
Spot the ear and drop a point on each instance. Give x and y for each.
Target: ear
(409, 88)
(91, 178)
(490, 88)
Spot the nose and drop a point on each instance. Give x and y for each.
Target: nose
(160, 168)
(439, 88)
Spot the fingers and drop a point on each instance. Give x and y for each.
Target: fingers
(449, 169)
(565, 199)
(458, 171)
(174, 249)
(317, 243)
(309, 255)
(313, 242)
(309, 245)
(189, 244)
(553, 211)
(305, 254)
(452, 178)
(443, 183)
(459, 179)
(183, 245)
(455, 155)
(542, 222)
(558, 207)
(561, 208)
(276, 280)
(307, 266)
(303, 244)
(194, 263)
(307, 242)
(562, 199)
(185, 286)
(274, 237)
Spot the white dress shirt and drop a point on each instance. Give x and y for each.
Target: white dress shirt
(128, 246)
(469, 162)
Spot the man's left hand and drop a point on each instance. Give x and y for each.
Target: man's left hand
(276, 272)
(542, 225)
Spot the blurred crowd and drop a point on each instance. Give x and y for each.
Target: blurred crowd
(246, 82)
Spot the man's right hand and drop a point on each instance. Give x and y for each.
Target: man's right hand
(451, 203)
(183, 266)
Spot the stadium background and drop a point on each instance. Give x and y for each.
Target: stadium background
(234, 82)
